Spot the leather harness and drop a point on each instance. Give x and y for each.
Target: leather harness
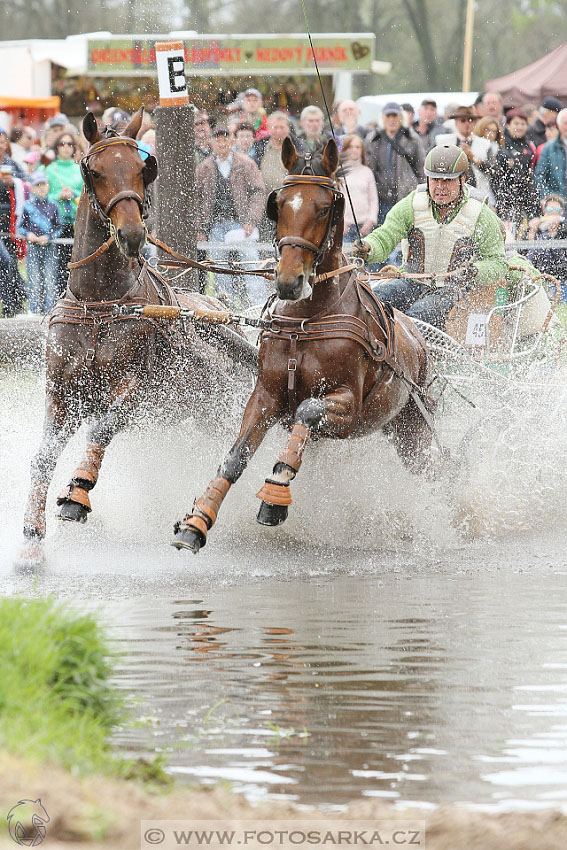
(328, 325)
(149, 288)
(337, 325)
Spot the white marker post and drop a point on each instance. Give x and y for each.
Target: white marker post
(175, 149)
(170, 61)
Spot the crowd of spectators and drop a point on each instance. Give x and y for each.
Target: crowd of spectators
(517, 160)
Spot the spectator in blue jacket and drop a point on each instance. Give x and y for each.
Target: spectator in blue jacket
(40, 224)
(551, 169)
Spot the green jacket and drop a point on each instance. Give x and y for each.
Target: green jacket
(60, 173)
(490, 259)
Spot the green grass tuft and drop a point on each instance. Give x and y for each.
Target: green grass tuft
(56, 700)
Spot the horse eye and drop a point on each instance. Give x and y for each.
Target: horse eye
(324, 212)
(95, 174)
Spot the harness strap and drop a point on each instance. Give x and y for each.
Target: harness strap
(291, 373)
(205, 267)
(103, 248)
(70, 310)
(125, 195)
(299, 242)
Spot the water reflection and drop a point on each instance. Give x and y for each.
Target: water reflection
(328, 691)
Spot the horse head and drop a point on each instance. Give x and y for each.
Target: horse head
(116, 180)
(308, 211)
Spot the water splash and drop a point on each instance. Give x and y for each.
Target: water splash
(353, 495)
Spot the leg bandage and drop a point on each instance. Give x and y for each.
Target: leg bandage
(294, 449)
(206, 508)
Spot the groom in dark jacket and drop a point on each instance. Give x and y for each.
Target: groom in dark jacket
(395, 155)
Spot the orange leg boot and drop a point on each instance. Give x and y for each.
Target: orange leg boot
(191, 532)
(276, 493)
(74, 502)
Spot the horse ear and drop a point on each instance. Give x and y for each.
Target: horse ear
(330, 157)
(90, 128)
(289, 154)
(133, 127)
(272, 206)
(150, 170)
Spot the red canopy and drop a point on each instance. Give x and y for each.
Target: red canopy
(547, 76)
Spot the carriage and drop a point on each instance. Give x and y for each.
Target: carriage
(500, 364)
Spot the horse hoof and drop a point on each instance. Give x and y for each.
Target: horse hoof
(271, 514)
(188, 538)
(72, 512)
(30, 558)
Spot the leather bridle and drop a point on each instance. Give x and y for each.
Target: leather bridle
(336, 214)
(103, 213)
(149, 174)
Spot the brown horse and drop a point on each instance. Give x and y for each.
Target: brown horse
(334, 361)
(101, 364)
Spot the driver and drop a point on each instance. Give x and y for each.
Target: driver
(442, 229)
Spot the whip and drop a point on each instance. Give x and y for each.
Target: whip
(343, 175)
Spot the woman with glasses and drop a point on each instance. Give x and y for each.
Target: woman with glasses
(65, 186)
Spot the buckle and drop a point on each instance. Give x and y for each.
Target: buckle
(292, 364)
(90, 355)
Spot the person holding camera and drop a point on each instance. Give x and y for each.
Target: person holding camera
(550, 225)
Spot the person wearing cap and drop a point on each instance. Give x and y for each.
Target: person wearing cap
(513, 179)
(551, 169)
(39, 225)
(12, 199)
(254, 113)
(395, 155)
(465, 118)
(408, 114)
(51, 132)
(115, 118)
(231, 197)
(548, 111)
(443, 228)
(426, 125)
(6, 159)
(551, 133)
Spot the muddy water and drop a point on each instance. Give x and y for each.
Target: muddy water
(369, 647)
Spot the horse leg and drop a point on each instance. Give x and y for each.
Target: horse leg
(56, 434)
(74, 502)
(336, 409)
(259, 416)
(412, 438)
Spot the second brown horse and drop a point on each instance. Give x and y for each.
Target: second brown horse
(334, 362)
